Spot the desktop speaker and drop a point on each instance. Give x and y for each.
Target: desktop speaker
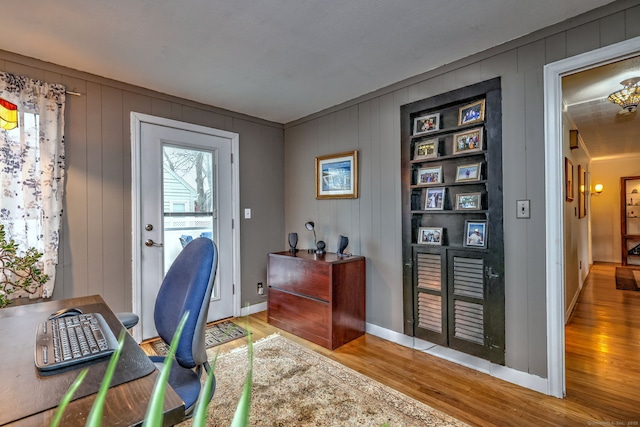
(343, 241)
(293, 241)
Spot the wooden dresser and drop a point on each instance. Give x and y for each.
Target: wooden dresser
(320, 298)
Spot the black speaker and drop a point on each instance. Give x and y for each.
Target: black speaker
(343, 241)
(320, 247)
(293, 241)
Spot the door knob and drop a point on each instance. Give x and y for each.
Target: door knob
(150, 243)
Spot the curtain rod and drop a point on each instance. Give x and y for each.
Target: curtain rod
(68, 92)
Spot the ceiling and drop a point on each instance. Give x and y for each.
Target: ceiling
(604, 132)
(279, 60)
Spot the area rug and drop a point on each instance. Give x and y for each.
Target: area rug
(216, 334)
(294, 386)
(627, 278)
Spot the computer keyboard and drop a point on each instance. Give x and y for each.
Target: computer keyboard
(70, 340)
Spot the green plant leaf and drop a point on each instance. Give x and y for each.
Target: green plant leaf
(241, 416)
(95, 415)
(200, 417)
(154, 414)
(55, 422)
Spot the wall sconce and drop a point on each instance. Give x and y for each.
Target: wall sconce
(597, 190)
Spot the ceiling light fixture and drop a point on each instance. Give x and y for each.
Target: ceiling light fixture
(628, 97)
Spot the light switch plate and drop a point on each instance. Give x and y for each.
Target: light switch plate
(247, 213)
(522, 209)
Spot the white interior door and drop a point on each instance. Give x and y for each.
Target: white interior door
(184, 191)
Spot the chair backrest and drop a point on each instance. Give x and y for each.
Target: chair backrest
(186, 287)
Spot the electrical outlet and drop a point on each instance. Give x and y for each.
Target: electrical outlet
(260, 288)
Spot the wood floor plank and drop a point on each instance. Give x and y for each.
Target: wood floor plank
(602, 365)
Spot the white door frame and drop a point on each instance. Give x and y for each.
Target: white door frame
(555, 285)
(136, 122)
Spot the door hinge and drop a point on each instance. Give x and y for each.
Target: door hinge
(233, 223)
(233, 289)
(232, 158)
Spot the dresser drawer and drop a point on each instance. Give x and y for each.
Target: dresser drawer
(300, 277)
(302, 316)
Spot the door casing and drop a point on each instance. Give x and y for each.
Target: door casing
(137, 119)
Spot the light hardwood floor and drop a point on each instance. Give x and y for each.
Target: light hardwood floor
(603, 371)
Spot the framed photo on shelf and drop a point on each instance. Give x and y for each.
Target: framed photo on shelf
(426, 124)
(568, 179)
(475, 235)
(468, 141)
(430, 235)
(337, 176)
(435, 199)
(470, 172)
(471, 113)
(430, 175)
(426, 149)
(469, 202)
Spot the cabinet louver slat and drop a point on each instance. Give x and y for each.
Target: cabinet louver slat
(430, 312)
(468, 277)
(469, 321)
(429, 272)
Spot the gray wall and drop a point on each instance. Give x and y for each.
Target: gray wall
(371, 124)
(95, 254)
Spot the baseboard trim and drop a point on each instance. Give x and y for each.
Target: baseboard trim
(523, 379)
(253, 309)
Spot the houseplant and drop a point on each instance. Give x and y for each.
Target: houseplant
(18, 273)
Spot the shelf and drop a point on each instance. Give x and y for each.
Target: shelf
(449, 211)
(447, 184)
(449, 157)
(447, 131)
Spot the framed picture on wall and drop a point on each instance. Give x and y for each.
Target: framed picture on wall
(469, 202)
(337, 176)
(470, 172)
(582, 187)
(568, 180)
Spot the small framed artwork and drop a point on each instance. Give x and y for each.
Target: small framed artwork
(435, 199)
(468, 141)
(471, 113)
(430, 235)
(428, 176)
(469, 202)
(337, 176)
(582, 200)
(425, 124)
(568, 179)
(475, 235)
(470, 172)
(426, 149)
(573, 139)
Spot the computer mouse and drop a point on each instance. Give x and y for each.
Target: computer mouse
(71, 311)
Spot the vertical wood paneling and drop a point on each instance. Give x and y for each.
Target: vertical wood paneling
(632, 17)
(95, 202)
(583, 38)
(113, 224)
(75, 201)
(161, 108)
(612, 29)
(555, 47)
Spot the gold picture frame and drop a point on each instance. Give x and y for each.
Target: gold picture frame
(471, 113)
(337, 176)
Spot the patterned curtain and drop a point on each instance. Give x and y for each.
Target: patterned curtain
(32, 169)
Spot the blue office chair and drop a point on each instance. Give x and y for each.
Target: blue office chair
(186, 287)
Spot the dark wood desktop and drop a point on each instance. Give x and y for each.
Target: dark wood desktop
(28, 398)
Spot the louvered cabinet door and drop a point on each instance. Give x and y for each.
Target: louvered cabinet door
(476, 317)
(431, 296)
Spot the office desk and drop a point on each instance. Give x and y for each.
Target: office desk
(25, 393)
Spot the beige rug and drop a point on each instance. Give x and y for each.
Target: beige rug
(294, 386)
